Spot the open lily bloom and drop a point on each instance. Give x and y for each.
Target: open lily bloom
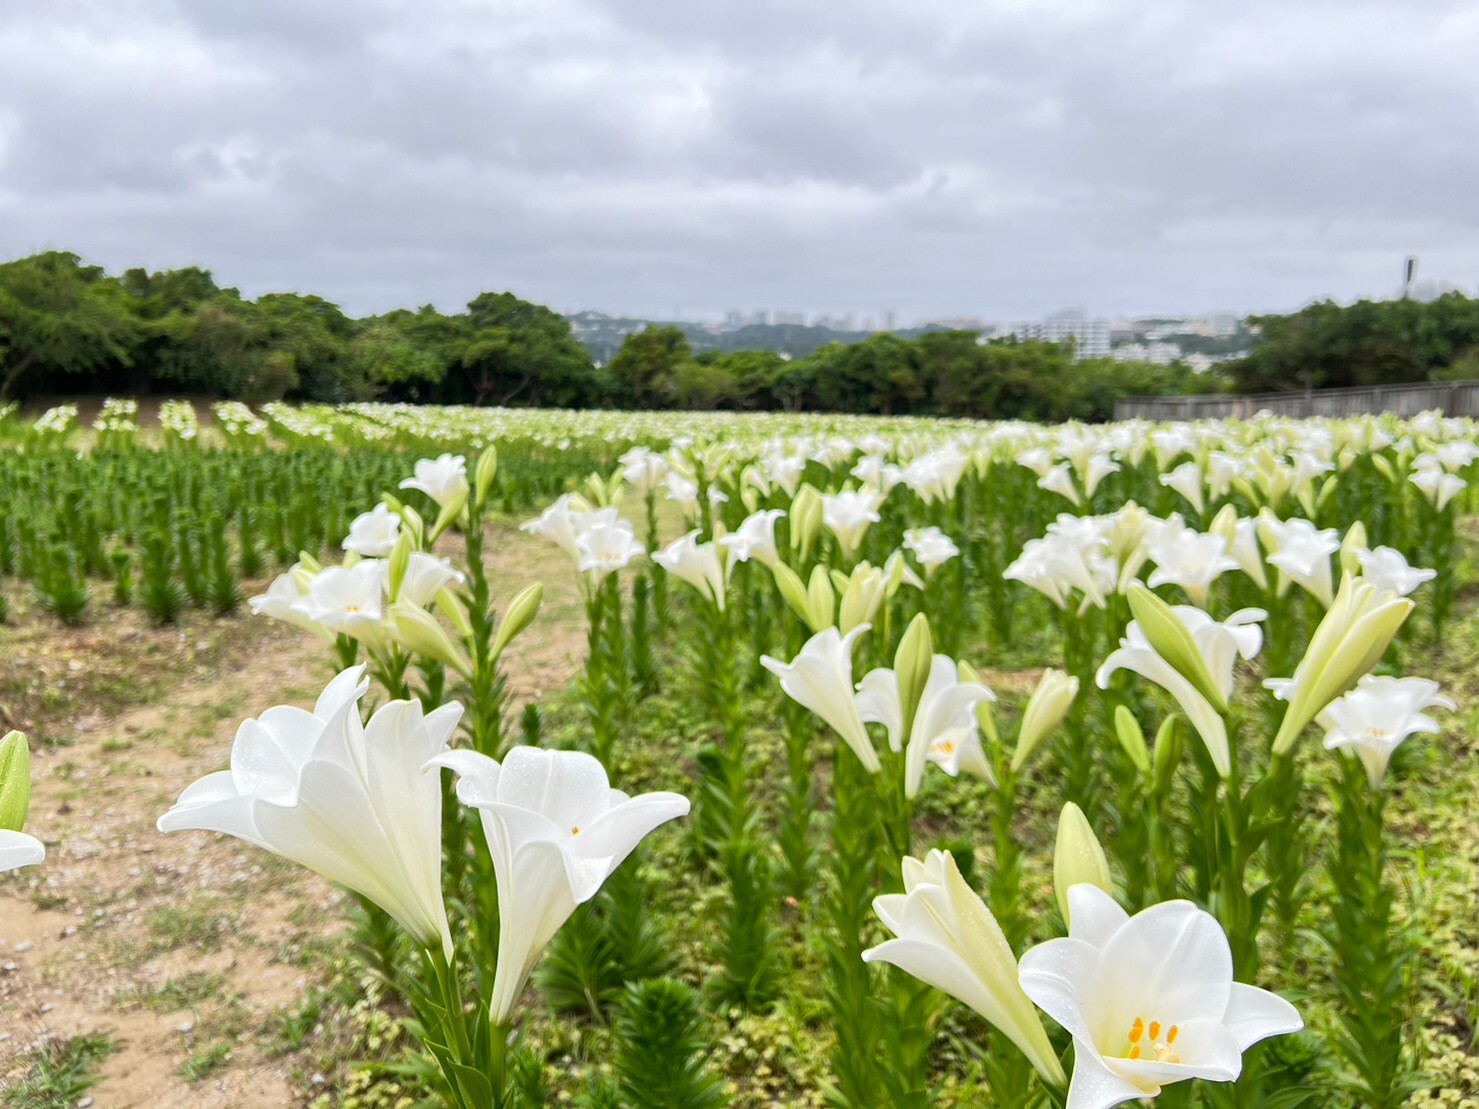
(346, 800)
(820, 679)
(1437, 486)
(1376, 717)
(1302, 552)
(701, 565)
(373, 534)
(348, 600)
(931, 546)
(945, 722)
(606, 546)
(755, 538)
(1193, 561)
(556, 830)
(1149, 1000)
(848, 515)
(1220, 645)
(1387, 569)
(18, 849)
(443, 479)
(281, 601)
(1186, 479)
(425, 577)
(945, 936)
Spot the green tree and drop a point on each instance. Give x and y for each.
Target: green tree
(510, 351)
(59, 317)
(646, 367)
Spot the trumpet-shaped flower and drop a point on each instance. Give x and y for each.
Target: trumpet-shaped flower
(1193, 561)
(607, 545)
(1439, 487)
(348, 600)
(699, 564)
(820, 679)
(281, 601)
(443, 479)
(1388, 570)
(643, 469)
(946, 937)
(562, 523)
(1302, 552)
(1375, 718)
(1149, 1000)
(556, 831)
(1186, 479)
(944, 722)
(373, 534)
(347, 800)
(755, 538)
(1218, 644)
(848, 515)
(931, 546)
(425, 577)
(1349, 641)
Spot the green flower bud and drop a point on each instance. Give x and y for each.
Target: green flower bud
(518, 616)
(1132, 739)
(1077, 857)
(15, 782)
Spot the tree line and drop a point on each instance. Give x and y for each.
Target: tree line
(70, 327)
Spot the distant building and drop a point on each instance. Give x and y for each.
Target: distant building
(790, 319)
(1090, 336)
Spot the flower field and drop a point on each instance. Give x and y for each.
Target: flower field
(379, 755)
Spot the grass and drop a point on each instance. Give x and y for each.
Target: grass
(62, 1072)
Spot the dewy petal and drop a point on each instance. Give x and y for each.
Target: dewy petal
(1254, 1014)
(615, 835)
(18, 849)
(1094, 1085)
(477, 776)
(1057, 976)
(567, 787)
(877, 701)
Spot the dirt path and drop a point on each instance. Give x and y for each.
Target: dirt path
(193, 950)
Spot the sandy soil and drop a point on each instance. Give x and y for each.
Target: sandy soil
(186, 947)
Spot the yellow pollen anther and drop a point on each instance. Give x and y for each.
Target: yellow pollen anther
(1155, 1030)
(1137, 1030)
(1172, 1034)
(575, 831)
(1135, 1052)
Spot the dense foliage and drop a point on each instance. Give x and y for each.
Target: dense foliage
(67, 327)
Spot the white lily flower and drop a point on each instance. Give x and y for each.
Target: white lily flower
(1194, 561)
(373, 534)
(848, 515)
(561, 523)
(699, 564)
(820, 679)
(348, 600)
(1219, 644)
(1186, 479)
(443, 479)
(944, 723)
(425, 577)
(931, 546)
(1437, 486)
(643, 469)
(1302, 552)
(755, 538)
(18, 849)
(1241, 537)
(1388, 570)
(556, 831)
(1098, 467)
(947, 938)
(347, 800)
(607, 545)
(280, 602)
(1060, 480)
(1149, 1000)
(1376, 717)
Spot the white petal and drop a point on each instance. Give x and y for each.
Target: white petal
(1254, 1014)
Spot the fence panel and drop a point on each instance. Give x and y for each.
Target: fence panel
(1453, 398)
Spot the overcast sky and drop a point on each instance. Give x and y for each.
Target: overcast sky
(997, 158)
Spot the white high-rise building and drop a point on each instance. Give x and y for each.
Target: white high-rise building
(1090, 337)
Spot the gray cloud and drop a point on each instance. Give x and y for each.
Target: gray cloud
(934, 157)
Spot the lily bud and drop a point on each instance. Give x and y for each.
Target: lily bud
(309, 563)
(805, 520)
(1355, 540)
(1132, 739)
(392, 502)
(400, 560)
(451, 606)
(1170, 639)
(912, 662)
(862, 595)
(449, 513)
(1167, 754)
(414, 525)
(1350, 640)
(793, 591)
(519, 615)
(15, 782)
(821, 600)
(417, 631)
(1078, 858)
(484, 473)
(1045, 710)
